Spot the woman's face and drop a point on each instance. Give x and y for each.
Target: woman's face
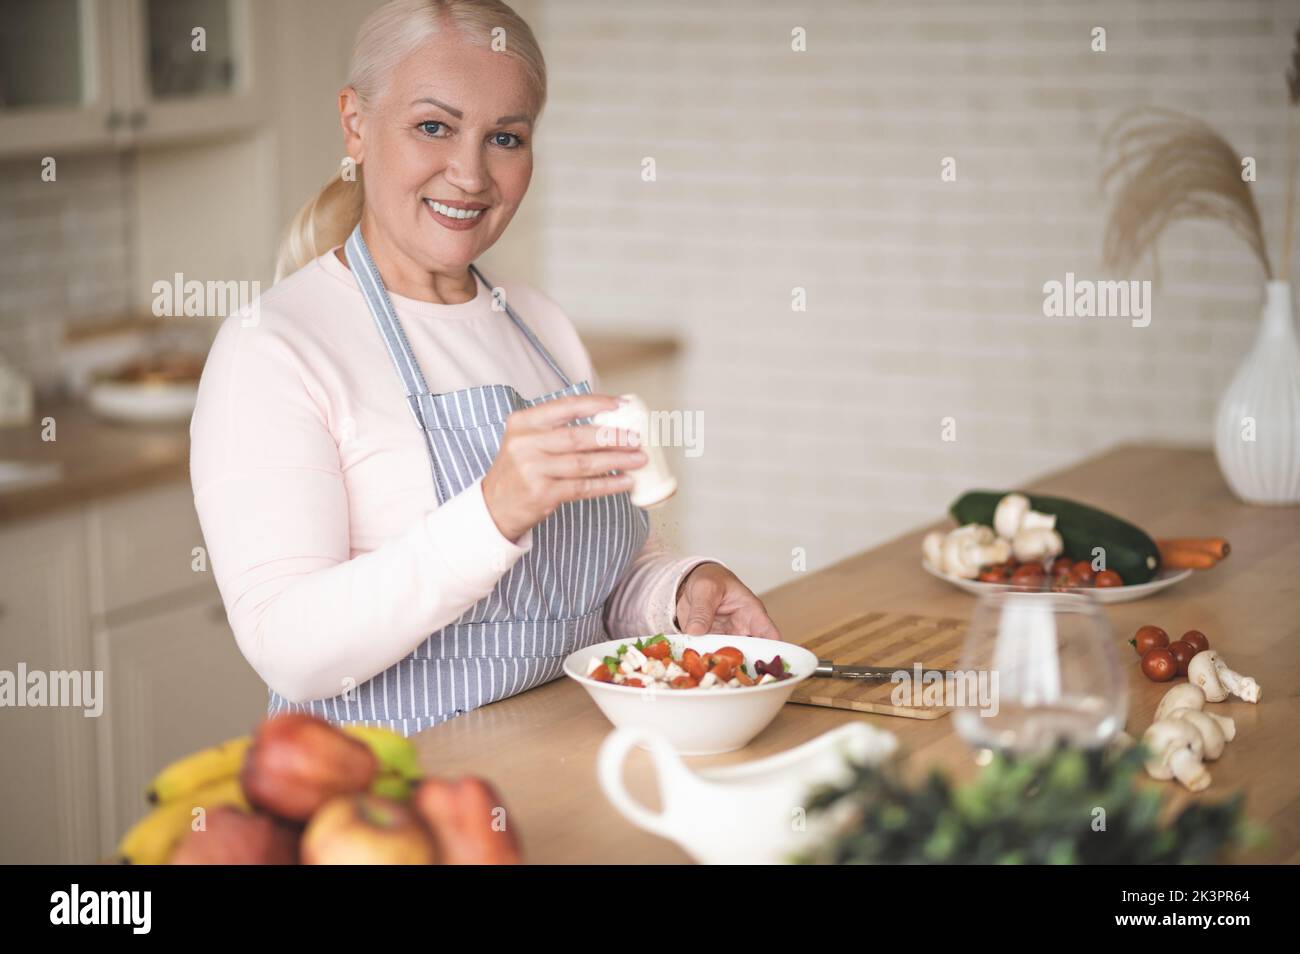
(454, 126)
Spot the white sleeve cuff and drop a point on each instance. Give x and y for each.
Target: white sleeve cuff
(469, 541)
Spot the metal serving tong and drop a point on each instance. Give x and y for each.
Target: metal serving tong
(831, 670)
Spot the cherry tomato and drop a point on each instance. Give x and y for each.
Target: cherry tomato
(1148, 638)
(693, 664)
(723, 667)
(1062, 565)
(731, 652)
(991, 575)
(1108, 578)
(602, 674)
(1196, 639)
(633, 681)
(659, 650)
(1183, 653)
(1030, 574)
(1082, 573)
(685, 682)
(1159, 665)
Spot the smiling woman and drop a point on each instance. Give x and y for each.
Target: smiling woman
(400, 88)
(399, 549)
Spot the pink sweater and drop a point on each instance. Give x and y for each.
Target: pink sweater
(313, 488)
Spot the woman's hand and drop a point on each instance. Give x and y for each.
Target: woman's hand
(713, 600)
(544, 462)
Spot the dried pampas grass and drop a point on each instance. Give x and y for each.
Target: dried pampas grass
(1171, 166)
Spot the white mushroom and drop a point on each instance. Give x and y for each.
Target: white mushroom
(932, 549)
(1175, 748)
(1212, 738)
(1010, 511)
(1187, 695)
(963, 550)
(1038, 521)
(1216, 680)
(999, 551)
(1037, 543)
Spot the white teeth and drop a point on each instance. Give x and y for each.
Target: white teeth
(453, 213)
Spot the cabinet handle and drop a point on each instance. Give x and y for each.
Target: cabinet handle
(4, 610)
(139, 118)
(217, 613)
(115, 119)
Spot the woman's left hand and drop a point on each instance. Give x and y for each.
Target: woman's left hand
(713, 600)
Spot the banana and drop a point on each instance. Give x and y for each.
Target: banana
(198, 770)
(152, 839)
(395, 752)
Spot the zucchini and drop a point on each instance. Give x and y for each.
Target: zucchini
(1127, 548)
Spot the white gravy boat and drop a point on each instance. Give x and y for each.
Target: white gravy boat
(752, 813)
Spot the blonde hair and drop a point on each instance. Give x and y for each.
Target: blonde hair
(388, 36)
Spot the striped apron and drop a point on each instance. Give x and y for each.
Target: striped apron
(551, 601)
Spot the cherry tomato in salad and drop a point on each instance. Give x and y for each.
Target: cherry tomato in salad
(1182, 653)
(723, 667)
(1196, 639)
(602, 674)
(1108, 578)
(1159, 665)
(685, 682)
(693, 663)
(1148, 638)
(731, 652)
(1082, 573)
(659, 650)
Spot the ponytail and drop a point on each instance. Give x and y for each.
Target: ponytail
(324, 221)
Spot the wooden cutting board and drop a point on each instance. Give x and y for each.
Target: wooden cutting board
(880, 639)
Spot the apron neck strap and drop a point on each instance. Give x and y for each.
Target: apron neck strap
(381, 307)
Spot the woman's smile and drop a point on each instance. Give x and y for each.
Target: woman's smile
(457, 216)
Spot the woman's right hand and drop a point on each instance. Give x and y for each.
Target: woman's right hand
(543, 461)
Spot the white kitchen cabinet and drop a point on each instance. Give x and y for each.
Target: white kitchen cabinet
(110, 588)
(175, 683)
(86, 74)
(142, 549)
(56, 76)
(48, 781)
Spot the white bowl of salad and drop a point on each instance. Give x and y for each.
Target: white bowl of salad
(704, 694)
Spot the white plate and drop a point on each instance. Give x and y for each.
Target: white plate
(1103, 594)
(697, 721)
(123, 401)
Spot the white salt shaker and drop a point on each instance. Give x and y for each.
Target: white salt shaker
(653, 483)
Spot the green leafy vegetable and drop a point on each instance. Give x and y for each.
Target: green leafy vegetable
(1067, 807)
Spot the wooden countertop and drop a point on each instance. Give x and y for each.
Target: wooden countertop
(540, 747)
(99, 458)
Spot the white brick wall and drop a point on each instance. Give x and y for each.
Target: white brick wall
(65, 253)
(821, 169)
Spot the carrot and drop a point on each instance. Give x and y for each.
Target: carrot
(1217, 547)
(1184, 558)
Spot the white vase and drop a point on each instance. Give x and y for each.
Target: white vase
(1257, 429)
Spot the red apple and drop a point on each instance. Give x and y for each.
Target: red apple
(231, 836)
(366, 829)
(468, 821)
(298, 762)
